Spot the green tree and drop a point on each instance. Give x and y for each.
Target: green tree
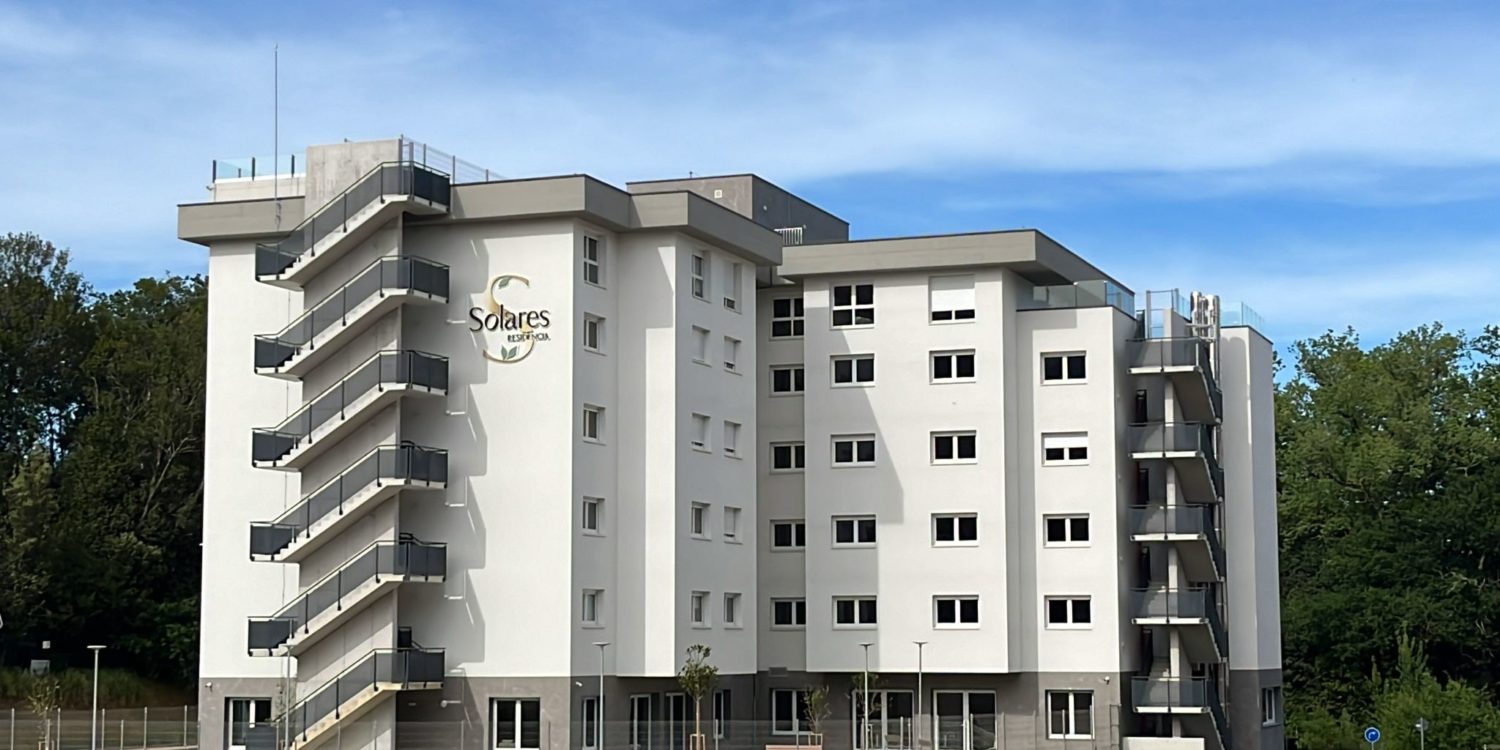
(697, 678)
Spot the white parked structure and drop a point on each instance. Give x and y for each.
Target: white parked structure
(465, 431)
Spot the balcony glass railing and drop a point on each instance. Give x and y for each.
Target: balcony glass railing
(1181, 352)
(1179, 437)
(403, 559)
(1180, 520)
(1188, 604)
(403, 667)
(382, 277)
(1172, 692)
(390, 368)
(1240, 314)
(1098, 293)
(388, 463)
(259, 167)
(392, 178)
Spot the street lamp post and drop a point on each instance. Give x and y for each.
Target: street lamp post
(1422, 733)
(864, 726)
(599, 720)
(94, 712)
(918, 728)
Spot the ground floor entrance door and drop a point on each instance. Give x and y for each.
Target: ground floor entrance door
(966, 719)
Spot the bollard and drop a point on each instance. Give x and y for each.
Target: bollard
(145, 726)
(184, 726)
(122, 734)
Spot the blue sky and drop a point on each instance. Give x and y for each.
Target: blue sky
(1330, 164)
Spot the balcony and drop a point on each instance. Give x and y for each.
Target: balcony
(1189, 448)
(349, 218)
(360, 688)
(1096, 293)
(1187, 364)
(370, 386)
(1192, 698)
(1193, 611)
(1191, 528)
(345, 592)
(352, 308)
(326, 511)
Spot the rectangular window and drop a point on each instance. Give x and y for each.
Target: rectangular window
(854, 369)
(593, 333)
(853, 531)
(699, 439)
(1064, 368)
(1069, 612)
(1065, 449)
(955, 529)
(721, 714)
(952, 298)
(1066, 531)
(953, 367)
(732, 611)
(593, 260)
(698, 520)
(731, 438)
(854, 612)
(788, 535)
(853, 450)
(698, 609)
(786, 318)
(1070, 714)
(591, 722)
(593, 599)
(731, 354)
(699, 268)
(593, 515)
(517, 723)
(789, 614)
(732, 288)
(788, 456)
(954, 447)
(731, 524)
(244, 715)
(956, 611)
(789, 712)
(700, 345)
(1270, 706)
(786, 380)
(593, 423)
(853, 305)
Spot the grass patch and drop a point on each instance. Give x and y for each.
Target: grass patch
(118, 688)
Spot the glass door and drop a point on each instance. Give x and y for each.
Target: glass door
(966, 719)
(640, 722)
(517, 723)
(890, 720)
(244, 715)
(677, 720)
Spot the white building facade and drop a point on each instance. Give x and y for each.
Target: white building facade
(480, 447)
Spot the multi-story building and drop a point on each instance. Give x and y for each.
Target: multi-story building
(486, 456)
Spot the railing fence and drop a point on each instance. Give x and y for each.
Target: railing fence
(152, 728)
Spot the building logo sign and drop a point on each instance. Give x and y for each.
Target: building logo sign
(517, 329)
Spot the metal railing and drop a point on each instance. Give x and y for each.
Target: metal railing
(388, 368)
(1183, 351)
(404, 667)
(461, 171)
(377, 279)
(1179, 437)
(407, 558)
(1190, 603)
(1180, 519)
(391, 178)
(258, 167)
(790, 235)
(388, 463)
(1096, 293)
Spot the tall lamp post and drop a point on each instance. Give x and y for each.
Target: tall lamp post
(864, 726)
(917, 729)
(94, 712)
(599, 720)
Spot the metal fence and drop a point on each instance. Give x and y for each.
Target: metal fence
(119, 729)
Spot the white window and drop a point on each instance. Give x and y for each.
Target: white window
(732, 611)
(593, 515)
(731, 354)
(593, 333)
(954, 447)
(853, 531)
(698, 520)
(953, 367)
(700, 432)
(731, 438)
(786, 380)
(1066, 531)
(789, 712)
(1065, 449)
(854, 450)
(732, 287)
(952, 298)
(853, 369)
(722, 704)
(1070, 714)
(591, 722)
(1064, 368)
(1069, 612)
(700, 276)
(698, 609)
(786, 318)
(955, 611)
(593, 423)
(700, 345)
(854, 612)
(1270, 706)
(788, 614)
(593, 600)
(593, 260)
(955, 529)
(788, 534)
(731, 524)
(853, 305)
(517, 723)
(788, 456)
